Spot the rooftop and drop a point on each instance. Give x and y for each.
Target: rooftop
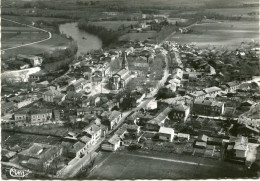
(166, 130)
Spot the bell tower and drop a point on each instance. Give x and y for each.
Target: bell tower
(124, 61)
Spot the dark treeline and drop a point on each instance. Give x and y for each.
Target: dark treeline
(60, 58)
(108, 37)
(202, 14)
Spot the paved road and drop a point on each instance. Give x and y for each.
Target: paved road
(50, 35)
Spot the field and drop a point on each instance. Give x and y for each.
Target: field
(55, 42)
(138, 36)
(234, 11)
(135, 165)
(229, 34)
(24, 140)
(113, 25)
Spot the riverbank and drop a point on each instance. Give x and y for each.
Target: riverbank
(108, 37)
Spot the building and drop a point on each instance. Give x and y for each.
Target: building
(40, 115)
(77, 150)
(50, 95)
(112, 144)
(151, 105)
(232, 86)
(111, 120)
(208, 107)
(183, 135)
(240, 146)
(119, 79)
(39, 156)
(78, 86)
(33, 60)
(38, 76)
(166, 134)
(155, 123)
(94, 132)
(198, 95)
(212, 91)
(180, 112)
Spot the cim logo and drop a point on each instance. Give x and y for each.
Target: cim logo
(14, 172)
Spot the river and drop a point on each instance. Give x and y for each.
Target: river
(85, 41)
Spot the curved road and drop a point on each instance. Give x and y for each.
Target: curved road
(50, 35)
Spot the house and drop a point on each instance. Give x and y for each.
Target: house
(232, 86)
(94, 132)
(240, 146)
(39, 156)
(33, 60)
(121, 131)
(7, 155)
(198, 95)
(51, 94)
(200, 144)
(183, 135)
(111, 120)
(138, 96)
(38, 76)
(180, 112)
(166, 134)
(89, 110)
(40, 115)
(203, 138)
(159, 120)
(77, 150)
(133, 128)
(151, 105)
(212, 91)
(112, 144)
(22, 115)
(78, 86)
(208, 107)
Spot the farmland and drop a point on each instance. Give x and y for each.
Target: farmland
(113, 25)
(135, 165)
(138, 36)
(228, 34)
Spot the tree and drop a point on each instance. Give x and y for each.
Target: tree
(165, 93)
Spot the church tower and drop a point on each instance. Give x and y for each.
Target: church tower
(124, 61)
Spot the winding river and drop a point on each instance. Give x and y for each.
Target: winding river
(84, 40)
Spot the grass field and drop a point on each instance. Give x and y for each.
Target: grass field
(123, 165)
(55, 42)
(229, 34)
(138, 36)
(113, 25)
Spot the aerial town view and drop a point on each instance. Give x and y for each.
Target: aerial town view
(130, 89)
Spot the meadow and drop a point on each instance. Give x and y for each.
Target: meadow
(227, 34)
(135, 165)
(113, 25)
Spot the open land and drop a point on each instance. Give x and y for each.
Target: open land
(140, 166)
(229, 34)
(113, 25)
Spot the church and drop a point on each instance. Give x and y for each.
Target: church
(121, 78)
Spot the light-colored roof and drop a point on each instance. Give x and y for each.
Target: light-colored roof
(212, 89)
(160, 117)
(115, 114)
(166, 130)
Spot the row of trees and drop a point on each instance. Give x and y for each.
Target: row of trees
(108, 37)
